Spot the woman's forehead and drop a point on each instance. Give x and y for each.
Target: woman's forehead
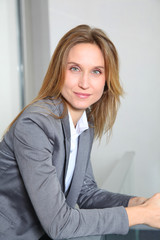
(86, 53)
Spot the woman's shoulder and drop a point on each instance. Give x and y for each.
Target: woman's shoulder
(43, 113)
(38, 120)
(44, 107)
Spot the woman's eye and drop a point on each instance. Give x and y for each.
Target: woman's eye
(96, 71)
(74, 69)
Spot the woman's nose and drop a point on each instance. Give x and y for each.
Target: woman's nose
(84, 81)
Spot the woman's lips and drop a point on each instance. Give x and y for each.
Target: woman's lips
(82, 95)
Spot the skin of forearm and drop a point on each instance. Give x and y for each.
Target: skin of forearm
(136, 215)
(135, 210)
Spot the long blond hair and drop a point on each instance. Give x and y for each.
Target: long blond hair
(103, 113)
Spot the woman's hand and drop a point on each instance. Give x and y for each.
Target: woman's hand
(135, 201)
(152, 207)
(144, 211)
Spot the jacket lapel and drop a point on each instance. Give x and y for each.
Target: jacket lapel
(80, 169)
(66, 133)
(66, 130)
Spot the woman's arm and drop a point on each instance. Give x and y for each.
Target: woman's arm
(93, 197)
(140, 210)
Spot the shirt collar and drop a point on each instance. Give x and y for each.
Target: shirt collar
(81, 126)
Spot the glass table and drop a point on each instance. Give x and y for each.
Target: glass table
(139, 232)
(136, 233)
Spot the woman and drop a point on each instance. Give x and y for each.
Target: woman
(45, 167)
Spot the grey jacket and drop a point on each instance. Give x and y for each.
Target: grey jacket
(33, 163)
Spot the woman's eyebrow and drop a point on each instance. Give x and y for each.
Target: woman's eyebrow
(100, 67)
(75, 63)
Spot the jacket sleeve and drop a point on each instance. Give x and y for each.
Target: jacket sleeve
(33, 151)
(92, 197)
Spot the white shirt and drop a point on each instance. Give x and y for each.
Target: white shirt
(81, 126)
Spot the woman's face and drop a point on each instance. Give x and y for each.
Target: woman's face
(84, 77)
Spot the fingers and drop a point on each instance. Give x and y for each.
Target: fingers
(135, 201)
(156, 196)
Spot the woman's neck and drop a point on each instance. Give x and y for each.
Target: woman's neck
(75, 114)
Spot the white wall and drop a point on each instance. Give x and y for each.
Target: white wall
(9, 77)
(133, 25)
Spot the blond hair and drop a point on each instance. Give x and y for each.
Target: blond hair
(103, 113)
